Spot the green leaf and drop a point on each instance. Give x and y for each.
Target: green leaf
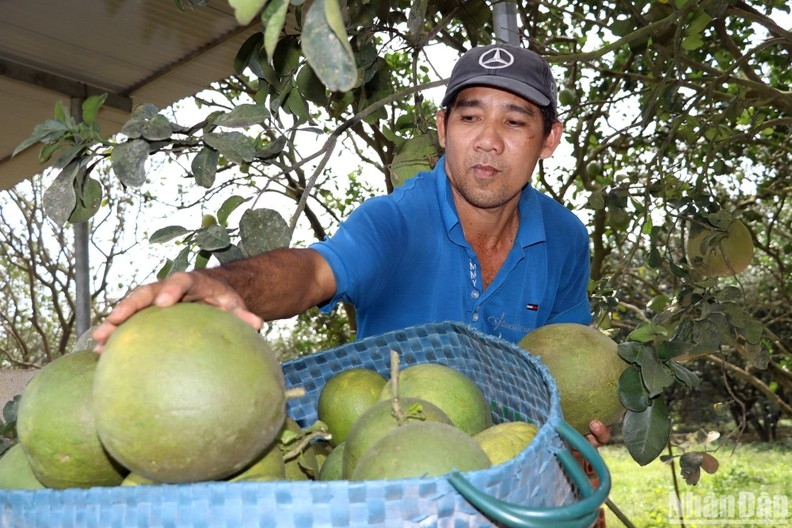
(181, 262)
(646, 433)
(204, 167)
(50, 131)
(272, 149)
(202, 260)
(146, 122)
(212, 238)
(88, 193)
(310, 86)
(656, 375)
(692, 42)
(60, 198)
(11, 409)
(165, 269)
(658, 303)
(632, 392)
(262, 230)
(246, 10)
(62, 113)
(166, 234)
(229, 254)
(297, 106)
(647, 332)
(273, 18)
(755, 354)
(671, 349)
(699, 23)
(235, 146)
(228, 207)
(630, 351)
(91, 107)
(326, 46)
(129, 162)
(687, 377)
(247, 51)
(243, 116)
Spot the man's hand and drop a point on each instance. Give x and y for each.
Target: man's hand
(179, 287)
(600, 434)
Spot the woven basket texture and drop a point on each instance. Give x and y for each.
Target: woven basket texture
(516, 384)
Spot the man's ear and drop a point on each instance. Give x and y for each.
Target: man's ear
(440, 121)
(552, 140)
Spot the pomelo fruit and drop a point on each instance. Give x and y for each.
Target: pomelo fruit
(15, 470)
(187, 393)
(345, 397)
(379, 420)
(719, 253)
(586, 367)
(133, 479)
(415, 155)
(455, 393)
(56, 426)
(420, 449)
(333, 466)
(506, 440)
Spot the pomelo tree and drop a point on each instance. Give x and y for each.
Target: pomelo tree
(674, 112)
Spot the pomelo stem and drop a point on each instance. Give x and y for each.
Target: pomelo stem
(303, 443)
(398, 413)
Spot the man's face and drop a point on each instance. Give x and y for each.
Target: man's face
(492, 141)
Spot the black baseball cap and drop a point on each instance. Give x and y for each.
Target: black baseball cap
(511, 68)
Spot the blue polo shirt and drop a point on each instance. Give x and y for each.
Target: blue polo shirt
(402, 259)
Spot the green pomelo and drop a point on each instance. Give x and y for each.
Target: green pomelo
(15, 470)
(345, 397)
(380, 420)
(56, 426)
(187, 393)
(506, 440)
(333, 466)
(720, 253)
(456, 394)
(586, 367)
(133, 479)
(420, 449)
(415, 155)
(259, 478)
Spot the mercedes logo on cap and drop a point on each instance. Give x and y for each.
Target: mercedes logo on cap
(496, 59)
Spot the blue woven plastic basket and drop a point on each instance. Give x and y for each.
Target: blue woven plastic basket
(542, 487)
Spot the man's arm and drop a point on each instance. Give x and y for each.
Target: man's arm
(275, 285)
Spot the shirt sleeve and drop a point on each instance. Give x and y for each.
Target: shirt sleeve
(363, 252)
(572, 302)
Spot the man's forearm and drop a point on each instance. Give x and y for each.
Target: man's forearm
(280, 283)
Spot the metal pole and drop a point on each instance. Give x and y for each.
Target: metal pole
(82, 297)
(504, 19)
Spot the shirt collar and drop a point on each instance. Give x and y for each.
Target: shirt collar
(531, 230)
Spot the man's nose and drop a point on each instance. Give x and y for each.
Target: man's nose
(489, 138)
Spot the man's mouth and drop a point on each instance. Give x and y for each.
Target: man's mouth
(484, 170)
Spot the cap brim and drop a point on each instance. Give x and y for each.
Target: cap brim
(510, 85)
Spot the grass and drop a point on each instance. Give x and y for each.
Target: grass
(752, 487)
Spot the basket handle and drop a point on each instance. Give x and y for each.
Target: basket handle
(582, 513)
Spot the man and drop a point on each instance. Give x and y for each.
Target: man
(469, 241)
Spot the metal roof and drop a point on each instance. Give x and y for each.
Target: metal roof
(137, 51)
